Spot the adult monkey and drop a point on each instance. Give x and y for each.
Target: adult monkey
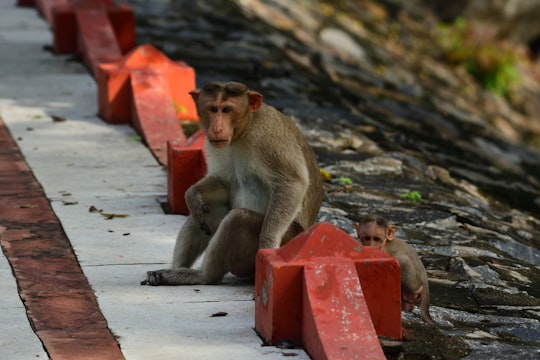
(263, 187)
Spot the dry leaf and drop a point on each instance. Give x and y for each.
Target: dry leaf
(219, 314)
(28, 206)
(109, 216)
(57, 118)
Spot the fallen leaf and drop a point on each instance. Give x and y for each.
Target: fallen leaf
(180, 108)
(57, 118)
(219, 314)
(110, 216)
(28, 206)
(326, 175)
(94, 209)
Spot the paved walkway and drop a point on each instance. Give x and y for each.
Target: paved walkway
(58, 161)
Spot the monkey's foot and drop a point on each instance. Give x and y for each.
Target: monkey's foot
(182, 276)
(153, 278)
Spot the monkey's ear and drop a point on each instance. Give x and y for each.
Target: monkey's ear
(390, 232)
(357, 228)
(255, 101)
(195, 94)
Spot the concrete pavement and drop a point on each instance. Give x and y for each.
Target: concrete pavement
(49, 105)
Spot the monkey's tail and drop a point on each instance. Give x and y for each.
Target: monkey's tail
(424, 306)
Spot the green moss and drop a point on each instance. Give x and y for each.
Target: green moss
(414, 196)
(491, 64)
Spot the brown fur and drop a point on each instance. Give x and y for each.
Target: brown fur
(263, 187)
(414, 281)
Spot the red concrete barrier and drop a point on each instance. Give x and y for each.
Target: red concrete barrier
(45, 8)
(66, 29)
(186, 165)
(154, 115)
(314, 272)
(336, 321)
(28, 3)
(122, 19)
(96, 39)
(115, 93)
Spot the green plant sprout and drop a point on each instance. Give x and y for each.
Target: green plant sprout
(345, 181)
(414, 196)
(134, 138)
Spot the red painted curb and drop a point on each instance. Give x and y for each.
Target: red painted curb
(60, 303)
(186, 166)
(279, 279)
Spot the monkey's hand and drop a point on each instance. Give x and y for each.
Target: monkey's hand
(208, 199)
(198, 208)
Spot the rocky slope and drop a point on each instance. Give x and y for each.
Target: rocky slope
(402, 133)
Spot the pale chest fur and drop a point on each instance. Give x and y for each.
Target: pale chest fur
(243, 173)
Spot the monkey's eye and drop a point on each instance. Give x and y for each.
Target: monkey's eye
(213, 109)
(226, 109)
(367, 239)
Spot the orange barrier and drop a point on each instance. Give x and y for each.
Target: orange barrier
(186, 165)
(308, 292)
(148, 89)
(153, 114)
(115, 93)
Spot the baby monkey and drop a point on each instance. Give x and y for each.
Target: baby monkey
(373, 230)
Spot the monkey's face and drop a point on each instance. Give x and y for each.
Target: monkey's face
(371, 234)
(224, 110)
(219, 119)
